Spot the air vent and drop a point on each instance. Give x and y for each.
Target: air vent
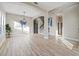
(36, 3)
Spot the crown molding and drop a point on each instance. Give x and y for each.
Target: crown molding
(64, 7)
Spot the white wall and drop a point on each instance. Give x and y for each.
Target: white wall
(71, 23)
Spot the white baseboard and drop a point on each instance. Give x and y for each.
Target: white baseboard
(70, 38)
(67, 43)
(41, 33)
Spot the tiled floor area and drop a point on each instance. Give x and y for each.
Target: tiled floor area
(22, 45)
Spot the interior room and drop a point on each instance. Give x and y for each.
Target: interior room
(39, 29)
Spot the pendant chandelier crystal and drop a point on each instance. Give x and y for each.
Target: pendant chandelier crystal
(23, 21)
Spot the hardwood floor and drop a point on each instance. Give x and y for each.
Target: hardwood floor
(22, 45)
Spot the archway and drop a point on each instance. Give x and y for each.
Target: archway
(38, 24)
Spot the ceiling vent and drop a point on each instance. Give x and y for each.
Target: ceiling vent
(36, 3)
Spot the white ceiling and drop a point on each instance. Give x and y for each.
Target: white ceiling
(31, 10)
(50, 5)
(19, 8)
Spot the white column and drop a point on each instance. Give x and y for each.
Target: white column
(46, 25)
(38, 19)
(31, 28)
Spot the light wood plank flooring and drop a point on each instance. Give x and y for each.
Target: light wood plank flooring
(23, 45)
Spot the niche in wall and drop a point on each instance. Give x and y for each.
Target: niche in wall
(60, 24)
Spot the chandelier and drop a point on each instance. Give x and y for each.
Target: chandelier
(23, 22)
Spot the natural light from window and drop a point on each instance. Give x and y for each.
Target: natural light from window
(18, 26)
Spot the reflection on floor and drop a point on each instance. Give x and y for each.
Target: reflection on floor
(75, 43)
(22, 45)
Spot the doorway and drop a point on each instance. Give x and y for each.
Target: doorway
(38, 24)
(60, 25)
(35, 26)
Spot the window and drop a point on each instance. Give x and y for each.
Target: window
(18, 26)
(2, 23)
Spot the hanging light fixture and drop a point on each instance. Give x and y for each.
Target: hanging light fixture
(23, 21)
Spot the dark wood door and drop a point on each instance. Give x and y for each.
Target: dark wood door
(35, 26)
